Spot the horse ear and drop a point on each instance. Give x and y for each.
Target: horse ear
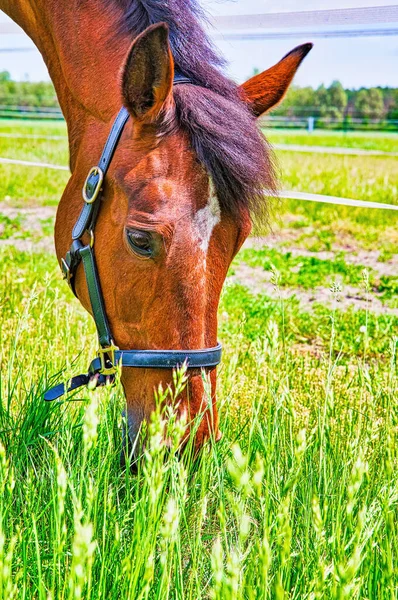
(265, 90)
(147, 76)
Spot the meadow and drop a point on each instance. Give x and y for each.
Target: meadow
(299, 499)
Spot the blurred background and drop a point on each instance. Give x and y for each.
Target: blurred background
(348, 80)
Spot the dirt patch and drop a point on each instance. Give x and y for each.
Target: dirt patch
(46, 244)
(366, 258)
(258, 282)
(256, 279)
(31, 216)
(30, 237)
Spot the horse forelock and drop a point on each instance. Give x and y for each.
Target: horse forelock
(222, 130)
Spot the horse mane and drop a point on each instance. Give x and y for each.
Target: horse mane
(223, 131)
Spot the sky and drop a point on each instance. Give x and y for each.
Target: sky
(356, 62)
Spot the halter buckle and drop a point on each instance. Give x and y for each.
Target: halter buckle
(94, 172)
(107, 357)
(66, 271)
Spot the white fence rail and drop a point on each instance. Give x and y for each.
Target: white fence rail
(347, 22)
(381, 15)
(365, 21)
(288, 194)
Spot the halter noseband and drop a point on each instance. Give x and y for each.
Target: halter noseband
(103, 368)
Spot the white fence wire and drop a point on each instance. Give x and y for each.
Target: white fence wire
(288, 194)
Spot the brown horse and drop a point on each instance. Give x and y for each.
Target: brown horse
(186, 181)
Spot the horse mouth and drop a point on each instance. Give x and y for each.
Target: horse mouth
(134, 444)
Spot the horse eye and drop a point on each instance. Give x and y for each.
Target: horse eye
(140, 242)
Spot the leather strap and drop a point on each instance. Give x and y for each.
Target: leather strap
(103, 368)
(179, 77)
(144, 359)
(59, 390)
(89, 212)
(74, 384)
(165, 359)
(70, 263)
(96, 297)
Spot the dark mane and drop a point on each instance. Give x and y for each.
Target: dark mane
(222, 130)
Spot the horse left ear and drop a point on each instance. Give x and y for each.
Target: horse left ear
(147, 76)
(265, 90)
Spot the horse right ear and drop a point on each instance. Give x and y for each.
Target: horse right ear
(264, 91)
(147, 76)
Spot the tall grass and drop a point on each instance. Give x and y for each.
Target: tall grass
(298, 500)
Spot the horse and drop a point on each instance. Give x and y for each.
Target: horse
(184, 183)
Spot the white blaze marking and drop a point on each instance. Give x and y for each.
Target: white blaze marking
(205, 220)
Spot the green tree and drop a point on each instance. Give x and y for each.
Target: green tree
(321, 97)
(392, 104)
(369, 103)
(298, 102)
(331, 101)
(337, 96)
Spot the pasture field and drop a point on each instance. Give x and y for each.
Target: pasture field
(299, 499)
(363, 140)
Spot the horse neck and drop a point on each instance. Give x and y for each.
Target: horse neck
(83, 54)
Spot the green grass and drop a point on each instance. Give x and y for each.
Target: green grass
(389, 286)
(33, 127)
(358, 330)
(11, 227)
(27, 186)
(386, 142)
(373, 179)
(365, 178)
(361, 177)
(299, 500)
(304, 271)
(35, 150)
(31, 186)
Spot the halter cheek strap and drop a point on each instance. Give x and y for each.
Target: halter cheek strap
(103, 368)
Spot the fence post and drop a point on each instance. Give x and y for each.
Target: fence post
(311, 124)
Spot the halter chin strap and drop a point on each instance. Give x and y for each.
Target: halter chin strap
(103, 368)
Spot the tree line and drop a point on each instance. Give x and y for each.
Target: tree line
(328, 103)
(26, 93)
(336, 103)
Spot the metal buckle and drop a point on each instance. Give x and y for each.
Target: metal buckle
(110, 352)
(66, 271)
(94, 171)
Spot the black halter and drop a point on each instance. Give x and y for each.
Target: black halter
(104, 367)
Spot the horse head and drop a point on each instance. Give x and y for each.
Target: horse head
(184, 185)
